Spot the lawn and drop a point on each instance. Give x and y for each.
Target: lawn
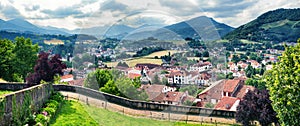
(75, 113)
(2, 92)
(133, 62)
(145, 59)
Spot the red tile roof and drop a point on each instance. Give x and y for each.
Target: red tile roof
(152, 90)
(226, 103)
(133, 75)
(230, 85)
(67, 76)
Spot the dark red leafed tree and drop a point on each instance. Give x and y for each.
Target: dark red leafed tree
(256, 105)
(45, 69)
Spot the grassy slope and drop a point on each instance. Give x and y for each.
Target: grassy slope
(71, 114)
(2, 92)
(75, 113)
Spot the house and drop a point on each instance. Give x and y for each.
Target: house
(201, 66)
(228, 103)
(242, 65)
(66, 78)
(172, 98)
(177, 77)
(203, 79)
(254, 64)
(212, 94)
(154, 90)
(230, 87)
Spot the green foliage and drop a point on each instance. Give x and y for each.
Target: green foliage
(17, 58)
(191, 89)
(209, 105)
(258, 83)
(129, 90)
(91, 81)
(147, 50)
(256, 30)
(41, 119)
(123, 64)
(156, 79)
(235, 58)
(111, 88)
(229, 75)
(283, 82)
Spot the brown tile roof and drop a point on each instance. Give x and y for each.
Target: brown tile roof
(78, 82)
(169, 96)
(214, 92)
(243, 90)
(226, 103)
(230, 85)
(152, 90)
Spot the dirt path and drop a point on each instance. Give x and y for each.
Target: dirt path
(146, 113)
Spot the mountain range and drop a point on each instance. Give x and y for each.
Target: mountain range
(200, 26)
(281, 25)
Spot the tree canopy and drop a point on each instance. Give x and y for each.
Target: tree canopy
(283, 81)
(256, 105)
(17, 58)
(46, 68)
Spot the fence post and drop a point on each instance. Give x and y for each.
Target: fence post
(216, 122)
(162, 116)
(105, 104)
(186, 118)
(169, 116)
(87, 100)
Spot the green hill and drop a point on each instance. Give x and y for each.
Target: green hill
(281, 25)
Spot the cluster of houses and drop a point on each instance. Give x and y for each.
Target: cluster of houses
(224, 95)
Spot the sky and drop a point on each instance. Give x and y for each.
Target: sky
(72, 14)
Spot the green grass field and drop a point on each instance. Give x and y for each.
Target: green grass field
(74, 113)
(2, 92)
(145, 59)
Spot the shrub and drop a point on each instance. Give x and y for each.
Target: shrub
(41, 119)
(49, 110)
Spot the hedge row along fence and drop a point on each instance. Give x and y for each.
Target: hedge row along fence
(16, 107)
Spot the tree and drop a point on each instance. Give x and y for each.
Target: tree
(191, 89)
(156, 79)
(205, 54)
(17, 58)
(45, 69)
(111, 88)
(283, 82)
(6, 47)
(25, 56)
(235, 58)
(91, 81)
(256, 105)
(102, 77)
(128, 90)
(229, 75)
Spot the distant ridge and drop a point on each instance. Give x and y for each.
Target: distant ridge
(281, 25)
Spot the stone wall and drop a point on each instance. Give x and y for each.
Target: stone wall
(17, 105)
(134, 104)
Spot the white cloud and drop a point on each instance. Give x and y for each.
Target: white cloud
(73, 14)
